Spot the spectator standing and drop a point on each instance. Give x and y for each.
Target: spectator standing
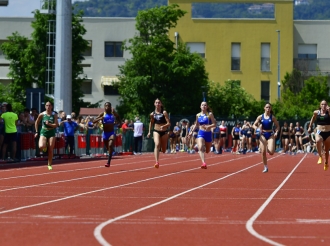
(126, 136)
(62, 117)
(177, 132)
(28, 119)
(138, 133)
(10, 120)
(69, 127)
(2, 125)
(34, 113)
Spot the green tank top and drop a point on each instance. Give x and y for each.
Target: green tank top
(49, 118)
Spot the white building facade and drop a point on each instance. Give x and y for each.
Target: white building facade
(105, 37)
(311, 51)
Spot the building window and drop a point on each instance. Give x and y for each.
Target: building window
(198, 48)
(265, 92)
(88, 51)
(113, 49)
(265, 57)
(86, 87)
(110, 90)
(307, 51)
(1, 42)
(235, 56)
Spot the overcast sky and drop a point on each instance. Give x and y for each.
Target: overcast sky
(20, 8)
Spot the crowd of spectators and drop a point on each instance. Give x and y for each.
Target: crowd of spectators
(69, 125)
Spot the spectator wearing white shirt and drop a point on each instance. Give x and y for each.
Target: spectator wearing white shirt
(138, 133)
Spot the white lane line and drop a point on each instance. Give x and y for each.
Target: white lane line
(87, 168)
(124, 160)
(98, 229)
(106, 174)
(249, 223)
(108, 188)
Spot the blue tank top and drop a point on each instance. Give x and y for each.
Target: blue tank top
(203, 119)
(108, 118)
(237, 130)
(267, 124)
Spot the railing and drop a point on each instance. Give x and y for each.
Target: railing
(311, 66)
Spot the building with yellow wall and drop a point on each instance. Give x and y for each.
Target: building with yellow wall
(241, 49)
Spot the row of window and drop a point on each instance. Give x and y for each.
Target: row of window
(111, 49)
(113, 91)
(305, 51)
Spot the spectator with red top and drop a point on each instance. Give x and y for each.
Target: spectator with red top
(125, 138)
(223, 135)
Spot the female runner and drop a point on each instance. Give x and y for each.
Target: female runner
(47, 132)
(235, 133)
(291, 138)
(267, 137)
(285, 137)
(160, 121)
(322, 135)
(299, 132)
(108, 117)
(205, 120)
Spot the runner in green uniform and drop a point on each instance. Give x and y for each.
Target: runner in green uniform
(47, 133)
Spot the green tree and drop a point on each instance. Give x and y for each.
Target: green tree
(301, 104)
(157, 69)
(232, 100)
(28, 58)
(6, 96)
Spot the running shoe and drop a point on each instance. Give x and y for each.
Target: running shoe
(50, 167)
(107, 165)
(156, 165)
(265, 170)
(326, 166)
(320, 160)
(204, 166)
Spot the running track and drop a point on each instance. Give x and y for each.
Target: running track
(81, 202)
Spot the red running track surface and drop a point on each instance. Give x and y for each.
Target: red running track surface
(132, 203)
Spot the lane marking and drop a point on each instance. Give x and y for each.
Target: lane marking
(106, 174)
(314, 221)
(108, 188)
(249, 223)
(68, 164)
(98, 229)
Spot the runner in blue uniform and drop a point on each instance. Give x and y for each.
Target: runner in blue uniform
(267, 137)
(205, 121)
(109, 117)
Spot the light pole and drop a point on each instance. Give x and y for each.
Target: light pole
(203, 94)
(278, 64)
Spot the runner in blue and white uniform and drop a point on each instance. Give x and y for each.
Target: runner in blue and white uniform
(108, 118)
(205, 121)
(267, 137)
